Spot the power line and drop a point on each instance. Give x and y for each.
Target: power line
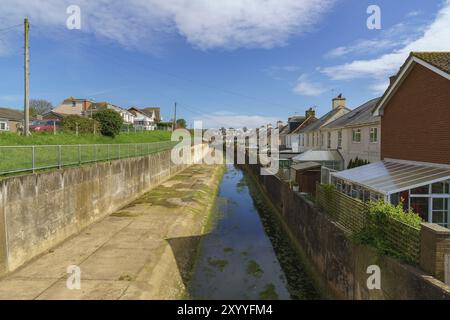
(120, 62)
(189, 80)
(11, 27)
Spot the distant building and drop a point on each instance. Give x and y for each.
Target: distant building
(73, 106)
(127, 116)
(10, 119)
(311, 138)
(355, 134)
(145, 119)
(156, 111)
(286, 136)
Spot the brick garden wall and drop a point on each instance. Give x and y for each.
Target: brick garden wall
(337, 263)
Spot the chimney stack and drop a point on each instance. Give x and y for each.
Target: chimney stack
(310, 113)
(279, 124)
(392, 79)
(339, 101)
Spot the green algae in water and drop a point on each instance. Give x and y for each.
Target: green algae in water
(228, 249)
(254, 269)
(218, 263)
(269, 293)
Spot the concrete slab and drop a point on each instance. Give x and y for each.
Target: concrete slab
(128, 255)
(90, 290)
(23, 289)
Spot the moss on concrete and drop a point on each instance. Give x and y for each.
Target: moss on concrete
(254, 269)
(269, 292)
(218, 263)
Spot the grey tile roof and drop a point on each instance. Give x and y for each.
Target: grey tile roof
(319, 123)
(284, 130)
(440, 60)
(361, 115)
(11, 114)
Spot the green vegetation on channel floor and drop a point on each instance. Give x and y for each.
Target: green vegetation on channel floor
(13, 139)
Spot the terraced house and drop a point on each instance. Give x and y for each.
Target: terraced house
(311, 139)
(356, 135)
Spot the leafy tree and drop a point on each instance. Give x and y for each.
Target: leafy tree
(110, 122)
(181, 123)
(39, 107)
(74, 123)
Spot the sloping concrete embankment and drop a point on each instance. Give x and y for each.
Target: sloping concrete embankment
(41, 210)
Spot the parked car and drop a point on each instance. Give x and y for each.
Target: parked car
(45, 125)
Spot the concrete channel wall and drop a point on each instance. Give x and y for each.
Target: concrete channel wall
(38, 211)
(338, 264)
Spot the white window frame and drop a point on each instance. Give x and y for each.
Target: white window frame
(430, 196)
(6, 127)
(354, 132)
(373, 134)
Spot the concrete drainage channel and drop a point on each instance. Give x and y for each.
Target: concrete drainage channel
(246, 255)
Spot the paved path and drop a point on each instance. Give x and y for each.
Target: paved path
(144, 251)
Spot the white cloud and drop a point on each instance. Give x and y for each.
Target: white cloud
(394, 37)
(227, 119)
(435, 37)
(414, 13)
(379, 87)
(306, 87)
(205, 24)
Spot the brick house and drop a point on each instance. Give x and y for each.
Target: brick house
(415, 144)
(415, 111)
(73, 106)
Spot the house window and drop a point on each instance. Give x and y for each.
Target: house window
(329, 140)
(3, 126)
(440, 211)
(339, 144)
(356, 135)
(373, 135)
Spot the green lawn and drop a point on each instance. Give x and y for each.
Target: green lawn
(16, 152)
(12, 139)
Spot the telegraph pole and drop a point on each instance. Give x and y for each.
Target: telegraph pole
(27, 81)
(174, 125)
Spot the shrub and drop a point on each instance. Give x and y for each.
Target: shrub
(328, 190)
(380, 216)
(110, 122)
(85, 125)
(357, 163)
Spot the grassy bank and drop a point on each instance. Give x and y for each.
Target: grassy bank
(13, 139)
(16, 152)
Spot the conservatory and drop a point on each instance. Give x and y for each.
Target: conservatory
(331, 159)
(421, 187)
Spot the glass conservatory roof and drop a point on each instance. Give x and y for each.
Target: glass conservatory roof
(390, 176)
(319, 155)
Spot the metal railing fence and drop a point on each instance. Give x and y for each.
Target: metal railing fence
(15, 159)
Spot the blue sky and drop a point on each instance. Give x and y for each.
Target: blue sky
(229, 63)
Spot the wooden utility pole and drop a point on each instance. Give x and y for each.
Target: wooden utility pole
(27, 81)
(174, 125)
